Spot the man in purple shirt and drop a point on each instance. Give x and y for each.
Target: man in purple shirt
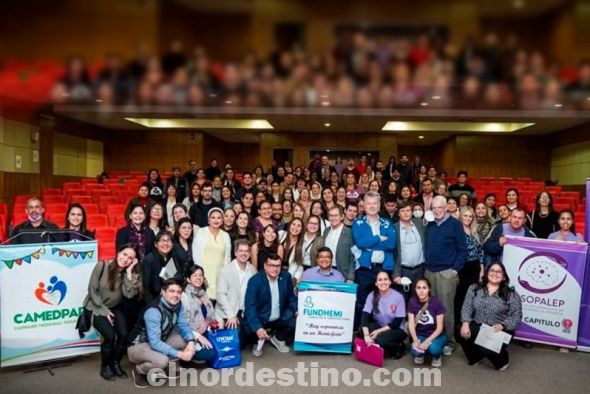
(323, 271)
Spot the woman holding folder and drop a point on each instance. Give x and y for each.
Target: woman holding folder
(494, 303)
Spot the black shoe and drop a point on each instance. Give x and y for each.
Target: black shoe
(106, 373)
(139, 380)
(526, 345)
(398, 351)
(118, 371)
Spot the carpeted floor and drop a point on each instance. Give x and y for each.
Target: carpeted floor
(537, 370)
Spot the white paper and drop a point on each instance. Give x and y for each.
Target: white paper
(260, 345)
(490, 339)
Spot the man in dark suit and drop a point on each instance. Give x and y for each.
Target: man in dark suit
(410, 247)
(338, 238)
(270, 304)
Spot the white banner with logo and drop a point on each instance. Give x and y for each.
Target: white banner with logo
(42, 289)
(325, 317)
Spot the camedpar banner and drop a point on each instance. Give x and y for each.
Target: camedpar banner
(326, 317)
(42, 288)
(548, 275)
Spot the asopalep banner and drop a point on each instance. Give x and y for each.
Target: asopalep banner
(548, 275)
(325, 317)
(584, 330)
(42, 288)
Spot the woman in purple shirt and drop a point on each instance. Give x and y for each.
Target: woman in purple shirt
(567, 228)
(426, 316)
(383, 317)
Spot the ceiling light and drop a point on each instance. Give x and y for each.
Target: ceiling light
(482, 127)
(252, 124)
(558, 105)
(424, 104)
(327, 124)
(325, 103)
(436, 97)
(421, 137)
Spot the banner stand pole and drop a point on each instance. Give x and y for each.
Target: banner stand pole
(49, 367)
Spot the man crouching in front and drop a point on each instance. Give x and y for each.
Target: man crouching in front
(162, 335)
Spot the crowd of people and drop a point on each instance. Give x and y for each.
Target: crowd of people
(202, 249)
(359, 71)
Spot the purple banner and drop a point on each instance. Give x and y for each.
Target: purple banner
(584, 330)
(548, 275)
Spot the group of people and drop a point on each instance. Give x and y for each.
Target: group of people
(231, 255)
(359, 71)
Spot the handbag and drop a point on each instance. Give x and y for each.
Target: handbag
(84, 322)
(226, 344)
(372, 354)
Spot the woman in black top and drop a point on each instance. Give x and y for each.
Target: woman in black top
(136, 231)
(155, 185)
(76, 223)
(543, 220)
(159, 266)
(183, 244)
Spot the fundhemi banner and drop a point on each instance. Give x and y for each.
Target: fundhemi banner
(325, 317)
(548, 275)
(42, 288)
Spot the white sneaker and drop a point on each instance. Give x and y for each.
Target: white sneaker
(504, 368)
(255, 351)
(447, 350)
(280, 345)
(419, 360)
(436, 362)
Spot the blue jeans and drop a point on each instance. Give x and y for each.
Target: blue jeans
(435, 348)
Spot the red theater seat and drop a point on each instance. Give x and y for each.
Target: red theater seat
(106, 250)
(97, 220)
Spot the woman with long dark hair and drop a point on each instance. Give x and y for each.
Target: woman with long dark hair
(384, 315)
(567, 228)
(110, 283)
(292, 245)
(182, 250)
(76, 223)
(426, 327)
(194, 195)
(542, 221)
(268, 242)
(494, 303)
(155, 185)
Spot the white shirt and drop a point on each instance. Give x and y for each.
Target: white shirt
(244, 275)
(412, 253)
(378, 256)
(306, 251)
(332, 241)
(275, 306)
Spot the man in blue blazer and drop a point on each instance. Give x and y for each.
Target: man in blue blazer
(270, 304)
(374, 242)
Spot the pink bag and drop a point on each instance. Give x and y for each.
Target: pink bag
(371, 354)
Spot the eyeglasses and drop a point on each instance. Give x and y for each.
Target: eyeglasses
(165, 241)
(274, 266)
(496, 272)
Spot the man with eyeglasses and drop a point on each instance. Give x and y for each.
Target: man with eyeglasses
(199, 211)
(410, 247)
(446, 251)
(338, 238)
(270, 305)
(374, 243)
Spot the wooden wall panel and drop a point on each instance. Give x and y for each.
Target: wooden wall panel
(303, 143)
(497, 156)
(141, 150)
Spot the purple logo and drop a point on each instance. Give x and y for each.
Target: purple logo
(542, 272)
